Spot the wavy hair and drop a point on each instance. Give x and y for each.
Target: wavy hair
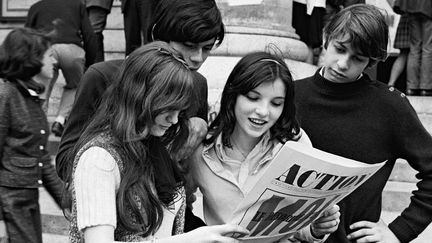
(250, 72)
(21, 55)
(187, 20)
(366, 29)
(152, 80)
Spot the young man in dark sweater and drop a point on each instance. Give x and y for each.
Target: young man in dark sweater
(346, 113)
(192, 27)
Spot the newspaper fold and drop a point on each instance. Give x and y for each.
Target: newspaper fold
(299, 185)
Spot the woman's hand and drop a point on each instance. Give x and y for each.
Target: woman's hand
(206, 234)
(366, 231)
(327, 223)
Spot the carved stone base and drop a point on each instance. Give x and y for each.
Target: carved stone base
(239, 41)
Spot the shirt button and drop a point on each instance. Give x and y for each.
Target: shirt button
(41, 147)
(40, 164)
(42, 131)
(40, 182)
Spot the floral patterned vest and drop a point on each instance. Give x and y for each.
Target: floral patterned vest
(122, 234)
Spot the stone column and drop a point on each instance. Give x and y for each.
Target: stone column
(252, 25)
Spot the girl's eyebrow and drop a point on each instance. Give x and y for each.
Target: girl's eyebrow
(254, 91)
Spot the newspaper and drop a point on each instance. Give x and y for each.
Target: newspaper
(300, 184)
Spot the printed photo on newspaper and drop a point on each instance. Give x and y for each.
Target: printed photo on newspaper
(300, 184)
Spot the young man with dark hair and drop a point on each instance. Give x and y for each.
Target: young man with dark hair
(176, 22)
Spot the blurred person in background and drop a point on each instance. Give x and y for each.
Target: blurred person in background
(74, 47)
(26, 67)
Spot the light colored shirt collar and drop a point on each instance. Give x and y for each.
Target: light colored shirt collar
(321, 72)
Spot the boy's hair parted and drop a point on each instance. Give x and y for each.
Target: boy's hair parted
(250, 72)
(366, 30)
(152, 80)
(187, 20)
(21, 54)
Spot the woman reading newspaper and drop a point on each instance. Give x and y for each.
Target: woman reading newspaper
(257, 117)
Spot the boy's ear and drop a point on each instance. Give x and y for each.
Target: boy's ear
(372, 63)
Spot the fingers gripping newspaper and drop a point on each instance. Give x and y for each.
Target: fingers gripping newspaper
(300, 184)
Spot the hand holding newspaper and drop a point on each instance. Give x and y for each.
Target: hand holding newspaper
(298, 186)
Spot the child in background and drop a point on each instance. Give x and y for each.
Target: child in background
(346, 113)
(257, 117)
(401, 42)
(419, 62)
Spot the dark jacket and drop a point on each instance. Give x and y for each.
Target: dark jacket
(23, 137)
(74, 27)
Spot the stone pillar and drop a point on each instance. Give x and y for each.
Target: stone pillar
(252, 25)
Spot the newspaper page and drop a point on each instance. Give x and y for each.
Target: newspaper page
(300, 184)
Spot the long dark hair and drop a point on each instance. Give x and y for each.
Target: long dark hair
(152, 80)
(251, 71)
(21, 55)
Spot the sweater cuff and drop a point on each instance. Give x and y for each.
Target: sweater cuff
(305, 234)
(401, 229)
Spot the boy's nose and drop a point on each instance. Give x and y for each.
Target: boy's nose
(343, 62)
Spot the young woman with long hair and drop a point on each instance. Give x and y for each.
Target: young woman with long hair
(257, 116)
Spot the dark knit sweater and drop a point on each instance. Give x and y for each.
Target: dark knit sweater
(74, 29)
(366, 121)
